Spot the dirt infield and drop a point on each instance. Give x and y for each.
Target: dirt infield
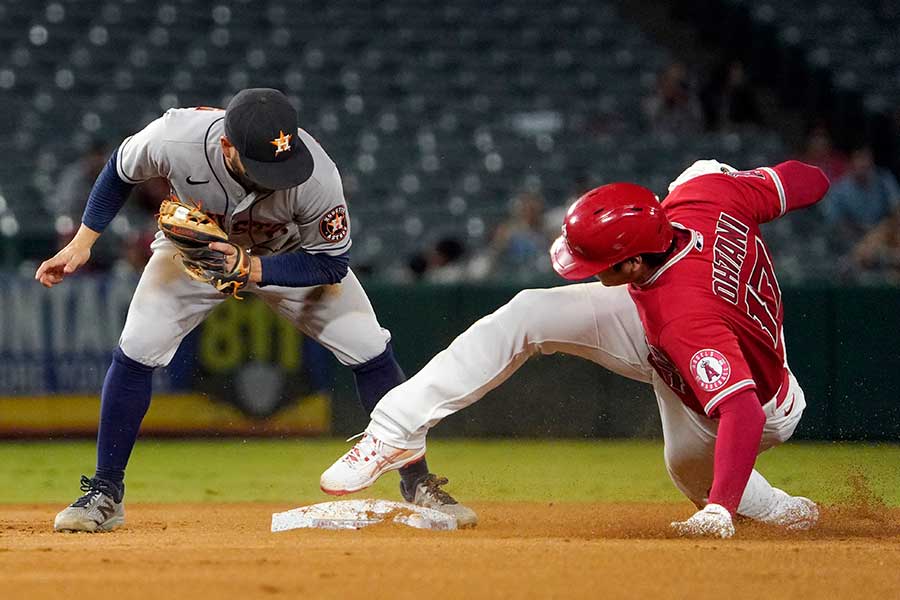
(520, 550)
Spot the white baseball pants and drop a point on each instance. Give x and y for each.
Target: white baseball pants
(168, 304)
(588, 320)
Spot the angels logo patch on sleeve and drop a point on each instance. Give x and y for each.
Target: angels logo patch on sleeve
(711, 369)
(334, 225)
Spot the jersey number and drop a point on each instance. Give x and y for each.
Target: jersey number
(763, 294)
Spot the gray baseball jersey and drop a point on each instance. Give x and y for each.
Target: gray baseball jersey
(183, 146)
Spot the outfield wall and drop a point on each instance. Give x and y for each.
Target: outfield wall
(245, 372)
(842, 343)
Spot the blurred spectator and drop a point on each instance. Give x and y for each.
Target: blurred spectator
(75, 183)
(136, 245)
(553, 217)
(674, 108)
(146, 197)
(879, 250)
(818, 150)
(582, 185)
(126, 242)
(728, 98)
(138, 223)
(893, 145)
(443, 263)
(521, 239)
(863, 197)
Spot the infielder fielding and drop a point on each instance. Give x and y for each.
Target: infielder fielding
(259, 207)
(696, 276)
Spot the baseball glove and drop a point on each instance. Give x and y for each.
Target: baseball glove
(191, 230)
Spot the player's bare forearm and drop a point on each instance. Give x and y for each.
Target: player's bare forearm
(255, 269)
(68, 260)
(85, 237)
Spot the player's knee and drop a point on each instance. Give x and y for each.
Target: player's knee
(366, 348)
(119, 356)
(612, 303)
(779, 436)
(526, 307)
(527, 319)
(143, 350)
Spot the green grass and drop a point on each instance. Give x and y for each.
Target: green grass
(288, 470)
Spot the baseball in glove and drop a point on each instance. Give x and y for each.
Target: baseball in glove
(192, 231)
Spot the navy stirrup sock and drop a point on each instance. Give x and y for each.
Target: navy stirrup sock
(123, 403)
(374, 379)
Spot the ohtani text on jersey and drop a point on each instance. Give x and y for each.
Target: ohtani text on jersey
(729, 252)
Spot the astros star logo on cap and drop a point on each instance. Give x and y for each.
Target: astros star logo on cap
(282, 143)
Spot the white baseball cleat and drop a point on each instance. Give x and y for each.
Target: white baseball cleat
(101, 508)
(795, 513)
(428, 493)
(364, 463)
(713, 521)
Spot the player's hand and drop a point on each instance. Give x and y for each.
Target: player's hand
(229, 252)
(65, 262)
(231, 258)
(713, 521)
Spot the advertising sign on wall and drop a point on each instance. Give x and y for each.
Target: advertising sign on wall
(243, 371)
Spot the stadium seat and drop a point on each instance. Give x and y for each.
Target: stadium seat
(422, 106)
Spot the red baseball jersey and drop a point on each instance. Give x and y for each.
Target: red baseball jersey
(713, 313)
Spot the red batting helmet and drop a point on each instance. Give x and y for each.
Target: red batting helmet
(608, 225)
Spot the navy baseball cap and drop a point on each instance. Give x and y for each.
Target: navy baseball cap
(262, 126)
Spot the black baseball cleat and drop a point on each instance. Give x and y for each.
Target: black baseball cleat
(101, 508)
(428, 494)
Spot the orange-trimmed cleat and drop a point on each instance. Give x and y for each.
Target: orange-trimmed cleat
(363, 464)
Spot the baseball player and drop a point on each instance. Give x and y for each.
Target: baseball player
(700, 283)
(278, 197)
